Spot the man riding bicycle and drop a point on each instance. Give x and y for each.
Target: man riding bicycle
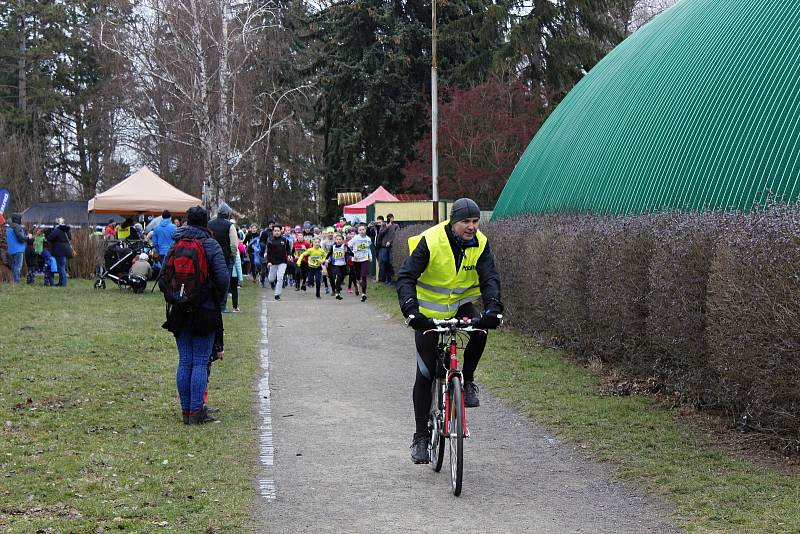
(450, 267)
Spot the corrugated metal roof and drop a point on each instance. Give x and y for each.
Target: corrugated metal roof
(697, 110)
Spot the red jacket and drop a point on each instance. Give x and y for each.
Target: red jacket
(300, 247)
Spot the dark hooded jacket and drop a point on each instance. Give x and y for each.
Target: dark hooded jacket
(59, 239)
(205, 319)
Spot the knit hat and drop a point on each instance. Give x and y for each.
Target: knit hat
(197, 216)
(16, 218)
(464, 208)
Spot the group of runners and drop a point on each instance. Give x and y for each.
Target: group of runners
(333, 260)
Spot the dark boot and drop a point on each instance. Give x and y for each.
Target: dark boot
(200, 418)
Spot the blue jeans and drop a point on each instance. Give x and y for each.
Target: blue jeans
(194, 353)
(16, 266)
(61, 262)
(230, 264)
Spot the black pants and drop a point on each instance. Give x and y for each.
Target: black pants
(233, 289)
(337, 273)
(362, 273)
(426, 365)
(301, 275)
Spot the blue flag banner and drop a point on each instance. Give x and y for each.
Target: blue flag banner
(5, 198)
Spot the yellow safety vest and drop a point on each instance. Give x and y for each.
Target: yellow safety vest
(123, 232)
(440, 289)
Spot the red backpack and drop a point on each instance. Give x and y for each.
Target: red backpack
(184, 279)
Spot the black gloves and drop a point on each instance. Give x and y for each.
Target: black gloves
(417, 321)
(488, 321)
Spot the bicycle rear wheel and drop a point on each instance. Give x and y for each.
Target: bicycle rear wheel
(456, 436)
(436, 425)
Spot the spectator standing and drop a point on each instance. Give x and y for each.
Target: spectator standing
(162, 234)
(373, 232)
(195, 327)
(60, 239)
(110, 231)
(277, 253)
(125, 229)
(386, 240)
(225, 233)
(15, 237)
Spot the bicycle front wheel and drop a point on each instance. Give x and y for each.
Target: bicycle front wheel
(436, 425)
(456, 436)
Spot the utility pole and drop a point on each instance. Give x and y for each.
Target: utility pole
(434, 118)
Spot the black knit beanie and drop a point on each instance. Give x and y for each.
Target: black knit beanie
(464, 208)
(197, 216)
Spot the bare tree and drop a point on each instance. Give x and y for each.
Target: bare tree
(190, 60)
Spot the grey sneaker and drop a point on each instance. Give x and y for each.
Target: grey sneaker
(419, 449)
(471, 399)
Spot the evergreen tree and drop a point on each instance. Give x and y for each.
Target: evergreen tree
(372, 63)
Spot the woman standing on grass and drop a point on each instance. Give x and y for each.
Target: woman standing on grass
(61, 248)
(194, 325)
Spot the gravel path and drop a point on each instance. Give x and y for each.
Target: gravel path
(339, 416)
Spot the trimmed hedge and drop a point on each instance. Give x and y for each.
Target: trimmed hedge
(708, 304)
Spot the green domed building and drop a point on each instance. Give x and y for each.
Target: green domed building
(698, 110)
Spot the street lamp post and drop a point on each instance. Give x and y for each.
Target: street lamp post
(434, 118)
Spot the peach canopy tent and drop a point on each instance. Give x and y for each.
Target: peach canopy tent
(359, 209)
(143, 192)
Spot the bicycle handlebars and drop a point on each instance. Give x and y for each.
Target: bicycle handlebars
(454, 324)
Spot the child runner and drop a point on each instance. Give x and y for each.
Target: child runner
(337, 261)
(315, 256)
(362, 257)
(326, 243)
(352, 279)
(254, 250)
(301, 269)
(278, 251)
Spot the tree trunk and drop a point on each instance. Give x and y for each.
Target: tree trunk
(22, 82)
(222, 112)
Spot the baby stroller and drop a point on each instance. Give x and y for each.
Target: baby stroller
(117, 262)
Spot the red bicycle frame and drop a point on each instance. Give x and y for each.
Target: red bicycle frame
(452, 372)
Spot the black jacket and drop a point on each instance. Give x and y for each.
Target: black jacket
(277, 251)
(220, 229)
(416, 263)
(59, 238)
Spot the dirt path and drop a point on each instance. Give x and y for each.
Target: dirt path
(339, 416)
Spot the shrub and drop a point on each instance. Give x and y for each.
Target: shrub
(676, 319)
(618, 288)
(754, 322)
(88, 253)
(708, 304)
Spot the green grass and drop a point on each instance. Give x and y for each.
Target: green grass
(90, 423)
(711, 491)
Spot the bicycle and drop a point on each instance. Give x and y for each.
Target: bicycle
(448, 415)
